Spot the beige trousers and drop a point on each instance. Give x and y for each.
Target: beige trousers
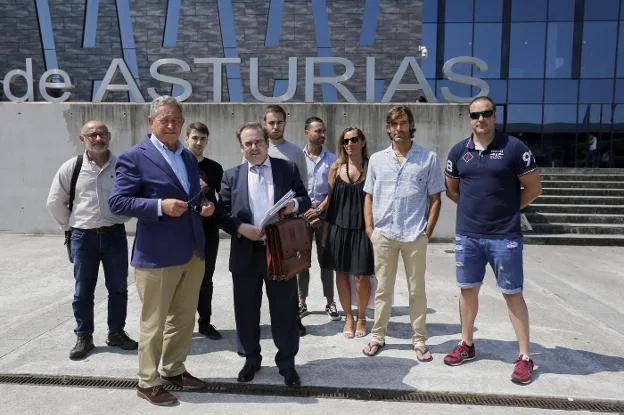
(414, 256)
(169, 300)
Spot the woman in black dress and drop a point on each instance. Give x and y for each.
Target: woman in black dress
(349, 252)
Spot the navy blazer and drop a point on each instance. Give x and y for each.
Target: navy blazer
(234, 200)
(142, 176)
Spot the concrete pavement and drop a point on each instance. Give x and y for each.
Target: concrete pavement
(573, 294)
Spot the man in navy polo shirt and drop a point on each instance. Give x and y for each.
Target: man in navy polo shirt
(491, 176)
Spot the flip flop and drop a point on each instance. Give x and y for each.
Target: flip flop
(372, 349)
(421, 352)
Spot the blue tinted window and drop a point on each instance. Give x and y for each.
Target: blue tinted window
(274, 24)
(560, 118)
(618, 118)
(559, 50)
(561, 91)
(620, 54)
(172, 23)
(601, 9)
(488, 11)
(90, 25)
(369, 22)
(528, 10)
(598, 59)
(526, 55)
(429, 36)
(429, 11)
(487, 46)
(594, 117)
(524, 118)
(619, 90)
(500, 116)
(561, 9)
(525, 91)
(458, 42)
(596, 90)
(498, 90)
(458, 11)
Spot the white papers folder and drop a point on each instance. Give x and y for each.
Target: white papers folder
(271, 215)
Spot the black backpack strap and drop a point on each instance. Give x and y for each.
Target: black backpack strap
(74, 179)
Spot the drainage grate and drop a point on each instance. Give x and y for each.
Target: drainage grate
(538, 402)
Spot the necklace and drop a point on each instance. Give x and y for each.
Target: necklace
(357, 178)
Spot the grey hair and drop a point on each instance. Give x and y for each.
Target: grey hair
(163, 100)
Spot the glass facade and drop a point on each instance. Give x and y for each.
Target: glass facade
(555, 69)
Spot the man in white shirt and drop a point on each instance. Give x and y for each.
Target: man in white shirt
(247, 192)
(97, 235)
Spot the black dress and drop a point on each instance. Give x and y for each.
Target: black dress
(349, 249)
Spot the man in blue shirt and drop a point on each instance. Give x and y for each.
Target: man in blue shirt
(491, 176)
(318, 161)
(401, 209)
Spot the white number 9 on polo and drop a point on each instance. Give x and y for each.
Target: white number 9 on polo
(527, 156)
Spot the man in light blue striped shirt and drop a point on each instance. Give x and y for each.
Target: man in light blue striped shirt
(401, 208)
(318, 160)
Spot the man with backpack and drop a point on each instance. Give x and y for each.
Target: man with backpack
(78, 201)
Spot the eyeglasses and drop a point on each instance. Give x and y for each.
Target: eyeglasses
(484, 114)
(103, 134)
(351, 140)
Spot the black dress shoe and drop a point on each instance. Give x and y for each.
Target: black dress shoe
(301, 328)
(248, 372)
(210, 331)
(291, 378)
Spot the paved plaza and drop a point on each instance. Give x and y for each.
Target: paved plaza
(574, 296)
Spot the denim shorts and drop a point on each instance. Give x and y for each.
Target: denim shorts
(503, 255)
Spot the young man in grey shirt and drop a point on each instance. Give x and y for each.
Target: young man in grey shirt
(279, 147)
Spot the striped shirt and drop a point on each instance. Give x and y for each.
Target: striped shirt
(401, 192)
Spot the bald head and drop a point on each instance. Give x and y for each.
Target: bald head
(95, 136)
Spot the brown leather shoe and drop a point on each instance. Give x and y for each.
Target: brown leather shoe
(157, 395)
(186, 381)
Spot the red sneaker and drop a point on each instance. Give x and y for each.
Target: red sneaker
(523, 372)
(460, 354)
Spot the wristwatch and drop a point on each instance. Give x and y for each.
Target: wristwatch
(319, 212)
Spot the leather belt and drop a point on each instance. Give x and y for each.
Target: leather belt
(103, 229)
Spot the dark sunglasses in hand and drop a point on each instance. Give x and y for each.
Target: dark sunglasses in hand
(478, 114)
(351, 140)
(197, 202)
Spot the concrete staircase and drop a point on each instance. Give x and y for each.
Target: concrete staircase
(578, 207)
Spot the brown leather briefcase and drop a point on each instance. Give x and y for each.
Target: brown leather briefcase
(288, 248)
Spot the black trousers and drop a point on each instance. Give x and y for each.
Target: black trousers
(282, 296)
(204, 305)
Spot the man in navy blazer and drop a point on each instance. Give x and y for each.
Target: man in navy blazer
(157, 182)
(247, 192)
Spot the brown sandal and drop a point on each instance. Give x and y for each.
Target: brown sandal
(423, 353)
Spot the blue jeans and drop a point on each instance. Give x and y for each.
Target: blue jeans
(503, 255)
(88, 250)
